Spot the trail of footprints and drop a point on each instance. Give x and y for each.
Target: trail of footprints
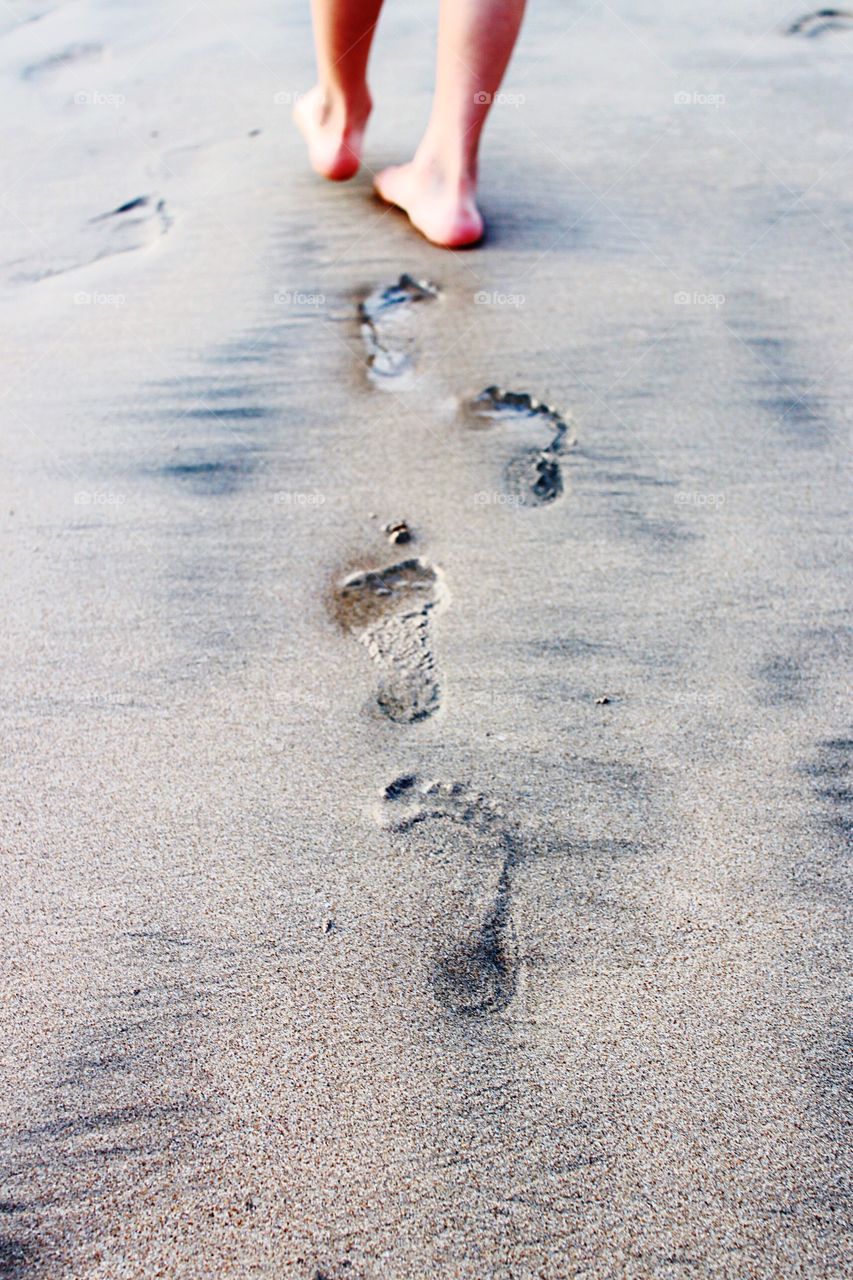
(391, 610)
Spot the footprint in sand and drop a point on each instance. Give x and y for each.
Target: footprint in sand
(477, 968)
(133, 225)
(821, 21)
(387, 330)
(388, 611)
(533, 475)
(84, 51)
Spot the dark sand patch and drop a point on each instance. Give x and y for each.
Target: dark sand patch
(82, 51)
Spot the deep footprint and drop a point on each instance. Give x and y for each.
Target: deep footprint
(478, 973)
(818, 23)
(533, 476)
(386, 328)
(388, 611)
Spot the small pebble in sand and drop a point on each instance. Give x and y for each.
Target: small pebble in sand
(603, 701)
(398, 531)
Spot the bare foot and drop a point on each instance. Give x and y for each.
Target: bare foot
(445, 212)
(334, 132)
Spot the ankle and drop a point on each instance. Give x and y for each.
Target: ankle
(444, 166)
(349, 106)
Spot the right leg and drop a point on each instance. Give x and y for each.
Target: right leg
(333, 116)
(438, 188)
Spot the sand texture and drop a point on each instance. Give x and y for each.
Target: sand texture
(463, 900)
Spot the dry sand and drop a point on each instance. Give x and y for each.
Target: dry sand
(484, 917)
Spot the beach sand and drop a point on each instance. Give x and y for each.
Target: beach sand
(471, 905)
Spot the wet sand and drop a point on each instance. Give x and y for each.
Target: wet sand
(473, 904)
